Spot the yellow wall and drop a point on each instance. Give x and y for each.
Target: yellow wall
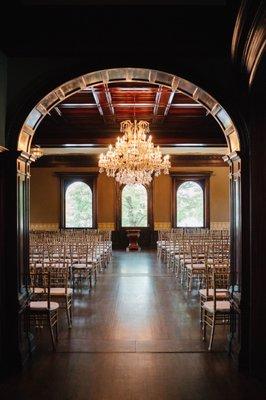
(45, 196)
(219, 194)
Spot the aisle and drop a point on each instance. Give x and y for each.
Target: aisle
(135, 336)
(136, 306)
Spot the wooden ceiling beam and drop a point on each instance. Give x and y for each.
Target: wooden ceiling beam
(78, 105)
(167, 108)
(92, 117)
(109, 99)
(118, 104)
(98, 142)
(97, 101)
(157, 102)
(57, 110)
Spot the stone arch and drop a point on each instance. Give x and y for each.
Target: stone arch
(60, 93)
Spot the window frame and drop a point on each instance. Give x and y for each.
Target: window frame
(119, 189)
(67, 179)
(203, 180)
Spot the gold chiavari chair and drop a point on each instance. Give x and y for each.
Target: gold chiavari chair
(183, 257)
(60, 289)
(42, 311)
(207, 293)
(216, 311)
(196, 265)
(81, 264)
(166, 246)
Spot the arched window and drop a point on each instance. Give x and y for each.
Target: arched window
(78, 205)
(190, 205)
(134, 206)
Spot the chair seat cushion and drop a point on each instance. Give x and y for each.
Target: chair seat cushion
(81, 266)
(195, 266)
(43, 305)
(220, 293)
(221, 306)
(38, 290)
(60, 291)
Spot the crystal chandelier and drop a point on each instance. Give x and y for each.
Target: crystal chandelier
(134, 158)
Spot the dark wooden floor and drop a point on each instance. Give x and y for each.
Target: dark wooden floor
(137, 306)
(136, 335)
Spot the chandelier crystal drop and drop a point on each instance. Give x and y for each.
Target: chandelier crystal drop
(134, 158)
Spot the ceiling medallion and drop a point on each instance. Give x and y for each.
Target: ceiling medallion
(134, 159)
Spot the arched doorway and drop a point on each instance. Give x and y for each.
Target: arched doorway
(20, 164)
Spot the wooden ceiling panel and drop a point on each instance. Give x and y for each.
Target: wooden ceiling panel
(186, 112)
(93, 116)
(80, 112)
(180, 98)
(80, 98)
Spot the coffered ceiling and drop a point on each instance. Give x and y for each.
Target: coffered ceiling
(92, 117)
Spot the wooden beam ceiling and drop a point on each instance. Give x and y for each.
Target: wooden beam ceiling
(93, 116)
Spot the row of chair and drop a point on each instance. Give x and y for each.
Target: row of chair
(201, 256)
(58, 263)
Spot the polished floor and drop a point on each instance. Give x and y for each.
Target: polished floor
(136, 306)
(136, 335)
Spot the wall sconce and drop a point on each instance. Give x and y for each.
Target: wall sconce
(36, 151)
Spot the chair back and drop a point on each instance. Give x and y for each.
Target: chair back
(59, 276)
(41, 280)
(221, 279)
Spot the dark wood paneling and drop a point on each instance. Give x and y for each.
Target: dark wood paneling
(238, 348)
(66, 161)
(78, 160)
(14, 190)
(147, 239)
(248, 43)
(197, 161)
(257, 322)
(188, 131)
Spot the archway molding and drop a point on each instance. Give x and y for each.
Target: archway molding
(60, 93)
(16, 173)
(175, 83)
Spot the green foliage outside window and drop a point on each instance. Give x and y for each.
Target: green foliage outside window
(134, 206)
(78, 206)
(189, 199)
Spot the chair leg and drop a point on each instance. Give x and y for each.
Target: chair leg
(190, 283)
(68, 313)
(51, 332)
(204, 326)
(56, 327)
(212, 333)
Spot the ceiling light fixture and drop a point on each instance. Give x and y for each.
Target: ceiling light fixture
(134, 158)
(36, 151)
